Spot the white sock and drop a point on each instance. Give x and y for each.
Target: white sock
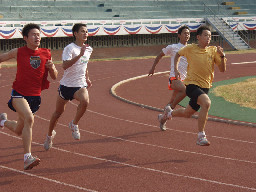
(201, 134)
(26, 156)
(2, 123)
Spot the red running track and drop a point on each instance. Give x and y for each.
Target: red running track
(121, 147)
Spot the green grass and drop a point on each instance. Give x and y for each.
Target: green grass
(242, 93)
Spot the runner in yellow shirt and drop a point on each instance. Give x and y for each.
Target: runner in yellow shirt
(200, 72)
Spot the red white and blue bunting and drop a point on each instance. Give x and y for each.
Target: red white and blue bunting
(7, 33)
(122, 29)
(249, 26)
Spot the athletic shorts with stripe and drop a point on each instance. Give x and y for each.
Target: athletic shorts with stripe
(67, 93)
(33, 101)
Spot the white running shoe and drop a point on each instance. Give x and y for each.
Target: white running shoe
(3, 116)
(168, 112)
(75, 131)
(202, 141)
(31, 162)
(48, 141)
(162, 122)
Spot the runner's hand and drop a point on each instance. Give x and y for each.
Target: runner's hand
(83, 48)
(49, 64)
(89, 83)
(220, 50)
(177, 74)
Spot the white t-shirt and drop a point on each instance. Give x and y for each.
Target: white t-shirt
(74, 76)
(171, 50)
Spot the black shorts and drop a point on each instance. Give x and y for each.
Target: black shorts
(193, 92)
(33, 101)
(67, 93)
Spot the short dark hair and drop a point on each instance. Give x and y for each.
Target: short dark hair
(201, 29)
(76, 28)
(183, 27)
(28, 27)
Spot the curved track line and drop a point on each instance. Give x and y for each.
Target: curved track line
(139, 167)
(113, 93)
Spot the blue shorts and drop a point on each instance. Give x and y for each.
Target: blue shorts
(33, 101)
(193, 92)
(67, 93)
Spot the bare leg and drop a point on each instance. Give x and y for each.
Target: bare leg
(15, 126)
(179, 92)
(83, 97)
(205, 103)
(60, 107)
(23, 109)
(181, 112)
(172, 95)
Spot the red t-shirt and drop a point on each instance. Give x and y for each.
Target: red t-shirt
(31, 76)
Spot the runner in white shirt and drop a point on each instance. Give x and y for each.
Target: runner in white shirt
(74, 76)
(74, 83)
(178, 89)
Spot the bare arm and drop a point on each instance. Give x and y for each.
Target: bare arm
(52, 69)
(222, 66)
(88, 81)
(176, 66)
(8, 55)
(69, 63)
(157, 59)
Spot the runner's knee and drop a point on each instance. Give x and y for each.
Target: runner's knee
(206, 104)
(57, 114)
(29, 119)
(84, 102)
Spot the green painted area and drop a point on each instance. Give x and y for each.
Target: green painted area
(222, 108)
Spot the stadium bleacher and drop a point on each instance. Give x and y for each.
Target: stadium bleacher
(118, 9)
(241, 7)
(111, 13)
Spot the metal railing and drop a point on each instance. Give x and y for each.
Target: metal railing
(230, 21)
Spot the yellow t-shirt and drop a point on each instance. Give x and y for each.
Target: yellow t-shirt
(201, 62)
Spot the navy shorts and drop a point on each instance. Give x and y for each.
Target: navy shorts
(67, 93)
(33, 101)
(193, 92)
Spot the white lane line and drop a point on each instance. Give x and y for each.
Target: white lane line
(148, 125)
(241, 63)
(134, 166)
(158, 146)
(46, 179)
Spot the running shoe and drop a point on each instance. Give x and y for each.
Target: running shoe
(168, 112)
(202, 141)
(3, 116)
(31, 162)
(75, 131)
(48, 141)
(162, 122)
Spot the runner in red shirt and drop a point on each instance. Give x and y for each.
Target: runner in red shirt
(33, 66)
